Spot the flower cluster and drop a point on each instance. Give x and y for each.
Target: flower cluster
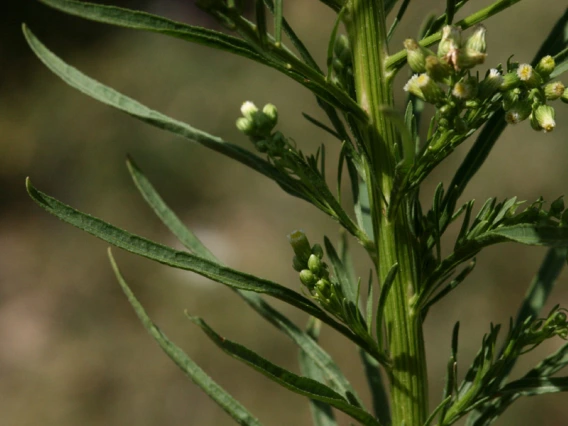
(445, 80)
(314, 273)
(259, 125)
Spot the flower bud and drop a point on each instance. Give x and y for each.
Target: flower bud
(430, 89)
(460, 125)
(511, 97)
(249, 110)
(467, 59)
(300, 245)
(317, 250)
(416, 55)
(437, 68)
(465, 89)
(553, 91)
(314, 264)
(323, 287)
(544, 116)
(510, 81)
(476, 42)
(490, 84)
(245, 125)
(271, 112)
(450, 42)
(412, 87)
(545, 66)
(518, 112)
(529, 76)
(307, 278)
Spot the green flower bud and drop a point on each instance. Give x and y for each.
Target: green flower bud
(297, 264)
(416, 55)
(314, 264)
(511, 97)
(553, 91)
(467, 59)
(437, 68)
(300, 245)
(510, 81)
(271, 112)
(450, 43)
(529, 76)
(323, 287)
(317, 250)
(544, 116)
(249, 110)
(490, 84)
(245, 125)
(545, 66)
(476, 42)
(518, 112)
(308, 278)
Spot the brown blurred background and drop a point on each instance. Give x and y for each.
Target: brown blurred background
(72, 351)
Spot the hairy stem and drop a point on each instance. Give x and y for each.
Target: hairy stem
(365, 22)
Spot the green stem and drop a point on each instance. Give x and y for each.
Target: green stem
(366, 24)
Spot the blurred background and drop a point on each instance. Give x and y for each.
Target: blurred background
(72, 351)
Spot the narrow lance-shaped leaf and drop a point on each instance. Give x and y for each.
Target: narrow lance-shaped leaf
(301, 385)
(111, 97)
(139, 20)
(230, 405)
(322, 413)
(178, 259)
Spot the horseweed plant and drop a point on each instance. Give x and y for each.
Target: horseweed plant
(386, 162)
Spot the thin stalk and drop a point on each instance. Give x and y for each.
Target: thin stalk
(365, 21)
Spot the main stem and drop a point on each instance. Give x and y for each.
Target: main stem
(366, 24)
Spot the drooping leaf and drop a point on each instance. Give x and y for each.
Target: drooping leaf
(301, 385)
(230, 405)
(322, 413)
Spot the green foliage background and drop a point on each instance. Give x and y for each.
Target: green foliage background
(72, 352)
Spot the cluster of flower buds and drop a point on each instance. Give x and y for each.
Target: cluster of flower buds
(314, 273)
(445, 80)
(527, 92)
(342, 62)
(259, 125)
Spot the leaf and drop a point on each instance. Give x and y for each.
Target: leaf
(322, 413)
(278, 20)
(297, 384)
(450, 11)
(111, 97)
(230, 405)
(379, 393)
(138, 20)
(166, 215)
(398, 18)
(551, 236)
(536, 386)
(178, 259)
